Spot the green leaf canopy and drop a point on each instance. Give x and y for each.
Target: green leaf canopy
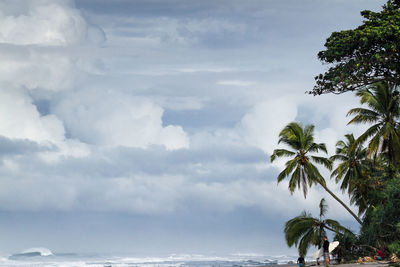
(363, 56)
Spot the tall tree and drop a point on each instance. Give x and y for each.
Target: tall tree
(305, 230)
(381, 222)
(351, 170)
(300, 168)
(363, 56)
(383, 112)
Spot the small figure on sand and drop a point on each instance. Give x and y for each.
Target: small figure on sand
(379, 255)
(300, 261)
(325, 247)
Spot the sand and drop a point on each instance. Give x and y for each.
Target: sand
(366, 264)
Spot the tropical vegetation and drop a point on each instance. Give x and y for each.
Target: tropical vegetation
(366, 168)
(305, 230)
(363, 56)
(303, 173)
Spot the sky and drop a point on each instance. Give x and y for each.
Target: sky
(146, 126)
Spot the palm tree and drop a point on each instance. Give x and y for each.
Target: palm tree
(303, 173)
(352, 170)
(305, 230)
(383, 112)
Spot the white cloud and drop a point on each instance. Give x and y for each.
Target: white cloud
(116, 119)
(47, 23)
(44, 47)
(260, 127)
(36, 40)
(19, 119)
(34, 68)
(30, 33)
(127, 122)
(329, 115)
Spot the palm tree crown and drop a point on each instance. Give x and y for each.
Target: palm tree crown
(351, 156)
(305, 230)
(383, 112)
(300, 168)
(352, 170)
(303, 173)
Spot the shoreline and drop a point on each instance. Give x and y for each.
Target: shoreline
(369, 264)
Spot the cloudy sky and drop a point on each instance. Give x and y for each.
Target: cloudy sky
(145, 126)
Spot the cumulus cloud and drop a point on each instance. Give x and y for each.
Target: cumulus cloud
(34, 68)
(28, 32)
(330, 118)
(34, 37)
(47, 23)
(44, 44)
(260, 127)
(133, 160)
(115, 119)
(20, 119)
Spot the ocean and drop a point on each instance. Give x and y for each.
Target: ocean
(35, 258)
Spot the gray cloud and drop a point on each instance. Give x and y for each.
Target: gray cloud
(160, 114)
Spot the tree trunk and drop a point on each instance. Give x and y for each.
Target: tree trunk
(330, 229)
(341, 202)
(391, 157)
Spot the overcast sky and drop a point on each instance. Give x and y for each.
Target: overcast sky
(146, 126)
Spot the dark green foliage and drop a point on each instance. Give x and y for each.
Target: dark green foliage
(300, 168)
(383, 102)
(305, 230)
(352, 170)
(366, 59)
(365, 55)
(395, 248)
(348, 248)
(380, 225)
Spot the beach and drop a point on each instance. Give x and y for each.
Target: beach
(365, 264)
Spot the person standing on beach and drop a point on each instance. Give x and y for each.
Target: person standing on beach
(379, 255)
(325, 247)
(300, 261)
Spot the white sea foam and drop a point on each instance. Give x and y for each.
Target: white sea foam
(41, 251)
(173, 260)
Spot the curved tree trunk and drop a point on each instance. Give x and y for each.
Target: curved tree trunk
(341, 202)
(330, 229)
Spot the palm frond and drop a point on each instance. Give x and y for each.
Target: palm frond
(278, 153)
(323, 161)
(337, 226)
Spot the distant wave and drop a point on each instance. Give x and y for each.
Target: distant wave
(41, 251)
(32, 252)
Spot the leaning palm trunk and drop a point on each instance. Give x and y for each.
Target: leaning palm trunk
(342, 203)
(300, 168)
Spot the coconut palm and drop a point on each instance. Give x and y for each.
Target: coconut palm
(351, 156)
(305, 230)
(383, 112)
(300, 168)
(352, 170)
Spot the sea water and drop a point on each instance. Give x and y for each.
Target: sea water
(175, 260)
